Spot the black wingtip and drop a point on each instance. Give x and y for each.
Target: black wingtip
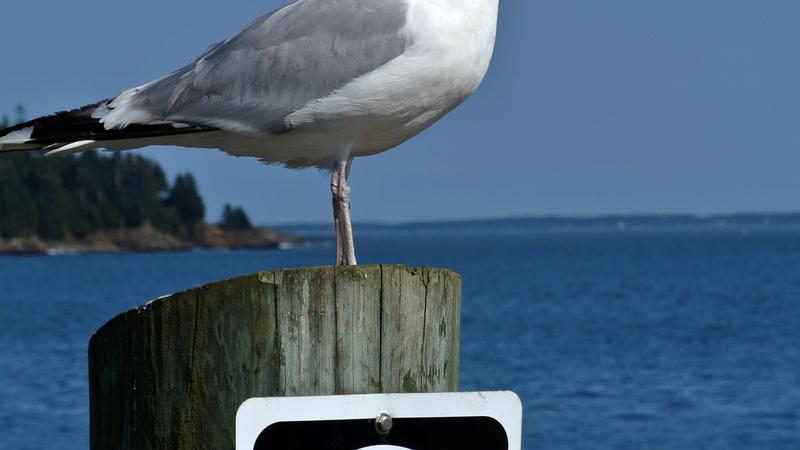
(79, 125)
(62, 120)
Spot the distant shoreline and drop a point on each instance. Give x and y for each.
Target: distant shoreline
(565, 223)
(148, 239)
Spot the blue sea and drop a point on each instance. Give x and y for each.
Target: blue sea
(613, 340)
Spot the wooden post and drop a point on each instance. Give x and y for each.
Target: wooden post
(171, 374)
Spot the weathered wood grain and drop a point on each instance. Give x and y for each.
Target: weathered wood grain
(171, 374)
(358, 329)
(402, 329)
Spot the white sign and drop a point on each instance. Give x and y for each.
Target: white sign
(454, 421)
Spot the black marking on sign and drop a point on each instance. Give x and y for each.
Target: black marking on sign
(423, 433)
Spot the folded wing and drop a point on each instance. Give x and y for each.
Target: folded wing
(252, 81)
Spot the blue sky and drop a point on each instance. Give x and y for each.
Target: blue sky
(620, 106)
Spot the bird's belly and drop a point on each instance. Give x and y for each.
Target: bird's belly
(368, 122)
(320, 143)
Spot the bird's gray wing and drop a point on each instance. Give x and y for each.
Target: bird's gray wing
(252, 81)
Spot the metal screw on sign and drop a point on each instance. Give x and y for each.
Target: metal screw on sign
(383, 424)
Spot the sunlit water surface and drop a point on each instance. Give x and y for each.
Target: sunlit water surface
(634, 340)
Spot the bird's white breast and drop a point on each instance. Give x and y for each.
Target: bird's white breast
(450, 45)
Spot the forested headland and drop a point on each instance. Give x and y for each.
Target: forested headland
(110, 202)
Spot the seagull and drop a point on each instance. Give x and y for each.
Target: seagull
(316, 83)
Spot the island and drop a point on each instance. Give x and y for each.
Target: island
(94, 202)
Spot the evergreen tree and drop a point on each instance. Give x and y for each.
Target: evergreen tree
(186, 206)
(18, 215)
(78, 195)
(234, 219)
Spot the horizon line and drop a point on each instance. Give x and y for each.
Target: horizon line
(563, 217)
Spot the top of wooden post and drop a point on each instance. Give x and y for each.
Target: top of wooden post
(176, 369)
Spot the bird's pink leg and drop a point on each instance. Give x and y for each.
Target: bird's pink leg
(345, 249)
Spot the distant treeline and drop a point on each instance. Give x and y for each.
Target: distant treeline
(614, 222)
(63, 196)
(642, 221)
(73, 196)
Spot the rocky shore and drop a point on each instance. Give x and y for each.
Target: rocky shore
(148, 239)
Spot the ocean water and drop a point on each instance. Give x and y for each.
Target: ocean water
(613, 340)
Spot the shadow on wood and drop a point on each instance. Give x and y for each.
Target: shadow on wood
(171, 374)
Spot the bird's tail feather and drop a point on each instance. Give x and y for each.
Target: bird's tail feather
(79, 129)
